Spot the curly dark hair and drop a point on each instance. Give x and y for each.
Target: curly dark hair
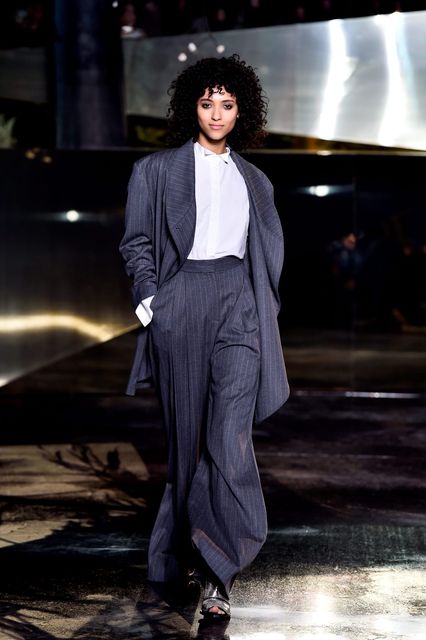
(237, 78)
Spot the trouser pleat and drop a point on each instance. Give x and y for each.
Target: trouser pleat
(205, 349)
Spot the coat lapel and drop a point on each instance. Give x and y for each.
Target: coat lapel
(180, 199)
(259, 196)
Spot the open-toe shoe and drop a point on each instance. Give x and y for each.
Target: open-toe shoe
(215, 597)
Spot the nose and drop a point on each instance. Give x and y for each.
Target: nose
(216, 113)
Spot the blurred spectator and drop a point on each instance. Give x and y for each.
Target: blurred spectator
(300, 13)
(224, 14)
(129, 22)
(30, 24)
(347, 260)
(287, 12)
(261, 13)
(31, 28)
(172, 17)
(197, 11)
(151, 18)
(346, 263)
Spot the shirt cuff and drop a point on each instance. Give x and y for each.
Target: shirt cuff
(143, 311)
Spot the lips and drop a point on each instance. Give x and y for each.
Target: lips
(216, 126)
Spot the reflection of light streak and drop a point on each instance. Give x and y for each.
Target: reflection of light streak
(45, 321)
(322, 607)
(338, 72)
(395, 108)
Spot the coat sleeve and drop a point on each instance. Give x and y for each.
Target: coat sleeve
(136, 244)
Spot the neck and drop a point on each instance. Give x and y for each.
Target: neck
(217, 146)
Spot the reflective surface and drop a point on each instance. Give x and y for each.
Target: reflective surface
(344, 485)
(23, 74)
(358, 80)
(353, 287)
(60, 293)
(62, 282)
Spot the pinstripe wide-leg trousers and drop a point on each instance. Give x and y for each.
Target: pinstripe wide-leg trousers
(205, 349)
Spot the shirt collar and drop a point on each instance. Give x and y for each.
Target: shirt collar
(203, 152)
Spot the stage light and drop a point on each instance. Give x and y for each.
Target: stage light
(320, 190)
(72, 215)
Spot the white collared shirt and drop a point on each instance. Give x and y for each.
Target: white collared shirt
(222, 206)
(222, 217)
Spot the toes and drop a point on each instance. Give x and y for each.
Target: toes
(216, 610)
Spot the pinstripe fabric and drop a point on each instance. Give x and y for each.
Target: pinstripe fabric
(214, 351)
(160, 224)
(206, 348)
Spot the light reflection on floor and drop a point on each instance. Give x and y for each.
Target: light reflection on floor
(378, 602)
(82, 474)
(292, 591)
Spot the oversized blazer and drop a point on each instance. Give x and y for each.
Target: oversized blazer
(159, 234)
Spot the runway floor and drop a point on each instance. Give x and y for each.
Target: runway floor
(82, 470)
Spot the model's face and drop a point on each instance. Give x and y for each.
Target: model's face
(217, 114)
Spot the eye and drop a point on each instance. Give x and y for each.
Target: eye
(205, 105)
(228, 107)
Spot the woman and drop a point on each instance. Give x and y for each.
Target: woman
(204, 246)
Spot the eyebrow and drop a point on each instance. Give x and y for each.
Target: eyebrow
(224, 99)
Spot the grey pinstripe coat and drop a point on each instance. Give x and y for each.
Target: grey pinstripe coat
(160, 226)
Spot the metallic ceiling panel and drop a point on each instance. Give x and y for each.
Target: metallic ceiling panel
(361, 80)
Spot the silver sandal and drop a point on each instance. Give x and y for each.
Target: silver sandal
(214, 597)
